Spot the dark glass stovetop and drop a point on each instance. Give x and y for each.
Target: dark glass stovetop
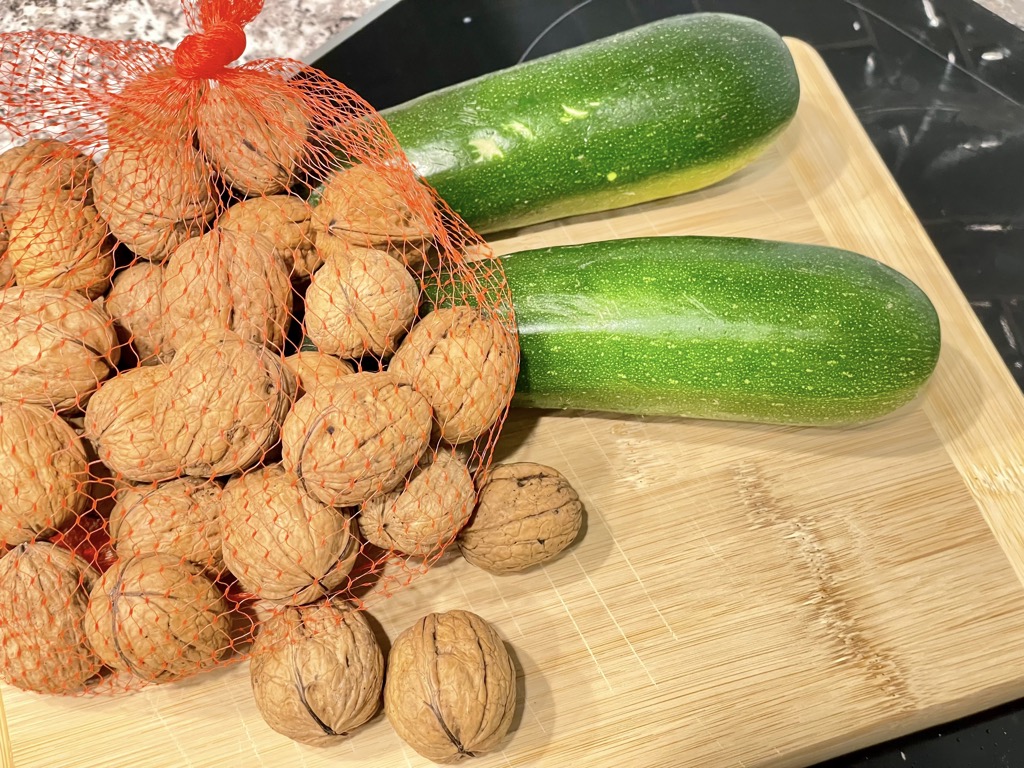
(938, 85)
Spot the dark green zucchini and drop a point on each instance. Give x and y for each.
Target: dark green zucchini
(662, 109)
(718, 328)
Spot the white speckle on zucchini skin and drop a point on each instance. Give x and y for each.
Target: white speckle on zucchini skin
(487, 149)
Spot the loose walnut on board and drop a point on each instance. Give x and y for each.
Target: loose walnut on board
(355, 439)
(280, 543)
(45, 591)
(317, 672)
(158, 617)
(44, 475)
(360, 302)
(526, 514)
(180, 518)
(227, 280)
(286, 221)
(55, 347)
(465, 364)
(450, 687)
(423, 517)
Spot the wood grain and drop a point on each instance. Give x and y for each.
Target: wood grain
(743, 595)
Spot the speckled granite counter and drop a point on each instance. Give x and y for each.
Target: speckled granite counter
(285, 27)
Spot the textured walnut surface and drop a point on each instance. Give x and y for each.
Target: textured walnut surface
(317, 672)
(286, 220)
(526, 514)
(135, 300)
(450, 689)
(45, 591)
(282, 544)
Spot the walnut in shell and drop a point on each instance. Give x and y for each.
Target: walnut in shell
(358, 438)
(59, 241)
(281, 544)
(227, 400)
(42, 166)
(227, 280)
(450, 687)
(286, 221)
(55, 347)
(45, 592)
(317, 672)
(254, 132)
(424, 516)
(376, 208)
(179, 518)
(154, 196)
(125, 423)
(465, 364)
(135, 301)
(360, 302)
(317, 369)
(159, 617)
(44, 476)
(526, 514)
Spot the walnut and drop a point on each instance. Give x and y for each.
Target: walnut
(450, 687)
(286, 221)
(376, 208)
(44, 476)
(281, 544)
(355, 439)
(159, 617)
(360, 302)
(317, 369)
(135, 301)
(227, 280)
(317, 672)
(55, 347)
(41, 166)
(228, 398)
(45, 591)
(526, 514)
(254, 132)
(465, 364)
(59, 241)
(423, 517)
(154, 196)
(180, 518)
(124, 422)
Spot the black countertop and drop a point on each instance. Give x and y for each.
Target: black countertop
(939, 86)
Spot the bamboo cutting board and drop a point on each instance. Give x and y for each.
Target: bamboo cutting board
(743, 595)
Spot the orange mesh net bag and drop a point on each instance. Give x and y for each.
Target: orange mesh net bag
(252, 368)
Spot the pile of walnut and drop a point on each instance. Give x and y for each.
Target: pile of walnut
(147, 394)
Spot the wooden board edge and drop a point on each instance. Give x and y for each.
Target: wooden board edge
(973, 402)
(6, 748)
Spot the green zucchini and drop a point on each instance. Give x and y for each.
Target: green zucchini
(658, 110)
(717, 328)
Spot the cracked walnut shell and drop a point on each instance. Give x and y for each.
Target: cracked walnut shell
(253, 129)
(227, 280)
(43, 643)
(360, 302)
(136, 303)
(423, 517)
(317, 672)
(45, 475)
(281, 544)
(180, 518)
(465, 364)
(355, 439)
(526, 514)
(287, 221)
(159, 617)
(55, 347)
(450, 687)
